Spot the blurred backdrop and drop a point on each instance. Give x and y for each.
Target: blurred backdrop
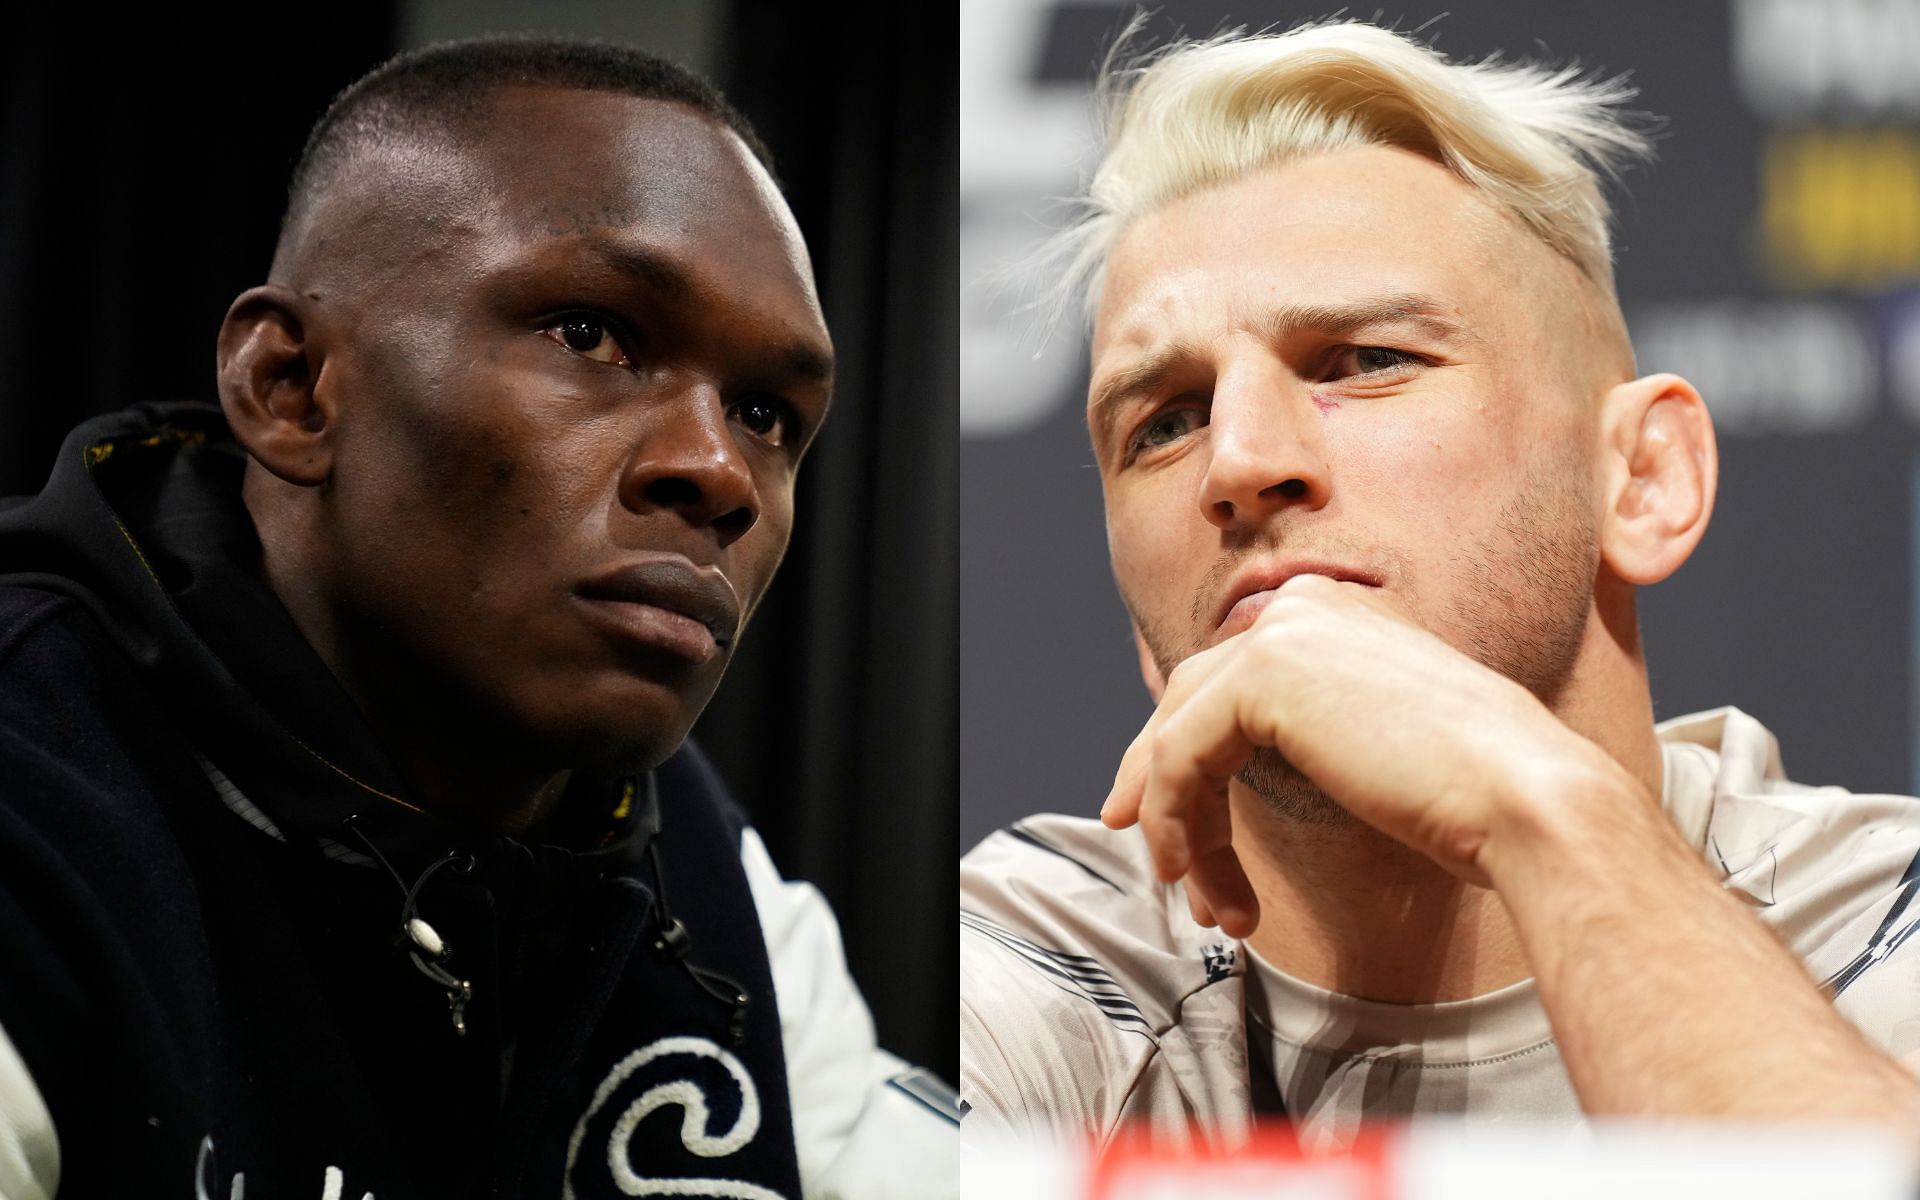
(1771, 255)
(143, 166)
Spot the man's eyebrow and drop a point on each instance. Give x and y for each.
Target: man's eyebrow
(807, 363)
(1281, 324)
(659, 272)
(1143, 375)
(1346, 320)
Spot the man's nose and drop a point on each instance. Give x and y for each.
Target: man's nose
(690, 460)
(1268, 448)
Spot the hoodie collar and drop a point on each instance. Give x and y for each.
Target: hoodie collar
(142, 523)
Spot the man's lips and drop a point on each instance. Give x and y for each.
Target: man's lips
(666, 603)
(1252, 588)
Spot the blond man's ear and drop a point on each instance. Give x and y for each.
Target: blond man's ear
(1662, 468)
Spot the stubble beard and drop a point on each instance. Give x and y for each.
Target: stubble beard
(1526, 592)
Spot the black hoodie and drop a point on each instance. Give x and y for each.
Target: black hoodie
(232, 949)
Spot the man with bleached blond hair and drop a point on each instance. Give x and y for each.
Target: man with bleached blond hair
(1381, 483)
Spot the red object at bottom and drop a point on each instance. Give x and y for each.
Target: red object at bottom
(1270, 1165)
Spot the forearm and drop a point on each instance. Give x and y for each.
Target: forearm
(1666, 997)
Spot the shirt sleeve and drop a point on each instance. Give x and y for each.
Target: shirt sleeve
(987, 1086)
(29, 1151)
(1039, 1059)
(866, 1125)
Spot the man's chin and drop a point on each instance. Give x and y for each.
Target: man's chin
(1290, 795)
(618, 750)
(632, 727)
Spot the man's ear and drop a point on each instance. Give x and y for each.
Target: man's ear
(269, 366)
(1149, 670)
(1662, 469)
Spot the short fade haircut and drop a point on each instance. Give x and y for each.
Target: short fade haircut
(1535, 140)
(450, 84)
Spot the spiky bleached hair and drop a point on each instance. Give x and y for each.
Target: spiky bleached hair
(1536, 140)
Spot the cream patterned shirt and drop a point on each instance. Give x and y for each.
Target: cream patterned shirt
(1090, 999)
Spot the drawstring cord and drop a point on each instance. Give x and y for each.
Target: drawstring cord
(429, 951)
(674, 942)
(420, 938)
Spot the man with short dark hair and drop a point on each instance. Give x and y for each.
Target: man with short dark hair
(344, 844)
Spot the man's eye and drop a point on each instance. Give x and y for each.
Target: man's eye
(589, 337)
(764, 417)
(1165, 428)
(1371, 360)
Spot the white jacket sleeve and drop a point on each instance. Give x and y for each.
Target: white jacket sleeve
(29, 1151)
(866, 1125)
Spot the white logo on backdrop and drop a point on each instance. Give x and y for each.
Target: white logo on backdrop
(1855, 57)
(1020, 145)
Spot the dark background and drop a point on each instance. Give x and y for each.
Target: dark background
(143, 166)
(1799, 604)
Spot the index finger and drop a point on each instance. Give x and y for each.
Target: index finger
(1121, 808)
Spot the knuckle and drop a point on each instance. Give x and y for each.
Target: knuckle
(1274, 644)
(1164, 745)
(1286, 609)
